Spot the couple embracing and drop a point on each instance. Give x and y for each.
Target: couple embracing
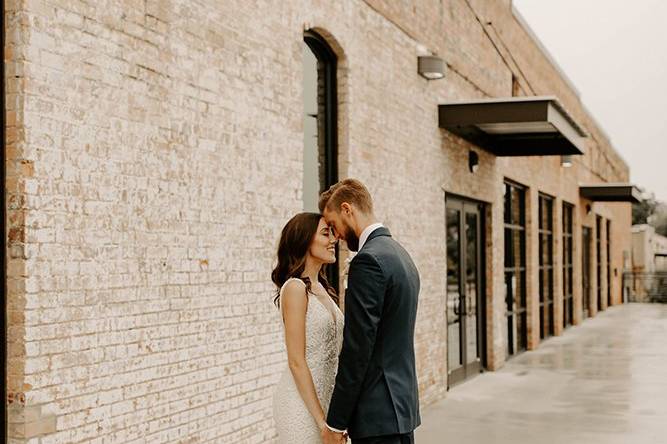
(350, 375)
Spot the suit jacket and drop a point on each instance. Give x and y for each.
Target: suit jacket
(376, 385)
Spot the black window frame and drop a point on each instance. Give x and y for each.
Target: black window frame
(545, 231)
(515, 230)
(608, 226)
(598, 260)
(327, 123)
(568, 266)
(586, 258)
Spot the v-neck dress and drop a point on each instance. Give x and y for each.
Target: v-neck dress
(324, 339)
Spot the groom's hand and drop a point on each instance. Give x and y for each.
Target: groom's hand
(331, 437)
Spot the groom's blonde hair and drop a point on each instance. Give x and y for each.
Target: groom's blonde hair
(351, 191)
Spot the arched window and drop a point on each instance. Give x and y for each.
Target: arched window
(320, 153)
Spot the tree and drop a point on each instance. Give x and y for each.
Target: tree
(642, 211)
(658, 219)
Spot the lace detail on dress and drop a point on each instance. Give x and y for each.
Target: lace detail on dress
(324, 339)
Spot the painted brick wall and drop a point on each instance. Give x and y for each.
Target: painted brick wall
(154, 154)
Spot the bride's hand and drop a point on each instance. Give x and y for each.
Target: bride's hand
(331, 437)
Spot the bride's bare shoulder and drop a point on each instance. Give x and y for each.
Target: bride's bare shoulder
(293, 290)
(293, 284)
(294, 300)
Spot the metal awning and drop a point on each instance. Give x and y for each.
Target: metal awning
(611, 192)
(515, 126)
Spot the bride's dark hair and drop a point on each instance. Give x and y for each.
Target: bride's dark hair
(295, 240)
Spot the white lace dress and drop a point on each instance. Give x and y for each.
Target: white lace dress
(324, 339)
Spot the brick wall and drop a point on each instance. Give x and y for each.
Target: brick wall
(154, 154)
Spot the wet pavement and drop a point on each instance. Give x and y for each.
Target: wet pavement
(604, 381)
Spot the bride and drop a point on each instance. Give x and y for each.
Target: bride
(313, 327)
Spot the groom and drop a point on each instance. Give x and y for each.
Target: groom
(375, 399)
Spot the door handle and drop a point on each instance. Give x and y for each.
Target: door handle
(468, 302)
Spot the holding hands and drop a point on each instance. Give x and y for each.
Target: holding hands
(331, 437)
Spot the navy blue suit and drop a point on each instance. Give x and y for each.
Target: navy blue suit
(376, 395)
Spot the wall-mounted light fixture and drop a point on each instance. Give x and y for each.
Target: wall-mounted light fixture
(431, 67)
(566, 160)
(588, 208)
(473, 161)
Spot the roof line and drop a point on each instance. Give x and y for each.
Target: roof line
(526, 27)
(522, 21)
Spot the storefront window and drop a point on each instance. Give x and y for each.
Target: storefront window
(515, 268)
(568, 305)
(546, 272)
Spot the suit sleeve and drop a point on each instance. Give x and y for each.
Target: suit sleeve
(364, 300)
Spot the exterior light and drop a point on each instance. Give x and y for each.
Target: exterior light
(473, 161)
(431, 67)
(510, 128)
(566, 160)
(588, 209)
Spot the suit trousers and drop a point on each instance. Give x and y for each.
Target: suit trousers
(405, 438)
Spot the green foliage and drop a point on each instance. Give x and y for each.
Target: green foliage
(643, 210)
(658, 219)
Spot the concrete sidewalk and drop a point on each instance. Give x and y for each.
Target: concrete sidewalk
(604, 381)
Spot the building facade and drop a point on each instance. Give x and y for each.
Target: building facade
(647, 279)
(649, 250)
(156, 148)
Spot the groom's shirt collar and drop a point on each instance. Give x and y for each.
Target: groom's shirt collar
(367, 232)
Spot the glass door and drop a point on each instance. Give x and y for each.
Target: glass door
(464, 289)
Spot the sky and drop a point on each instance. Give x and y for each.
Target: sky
(615, 54)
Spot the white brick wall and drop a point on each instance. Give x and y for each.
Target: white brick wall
(154, 155)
